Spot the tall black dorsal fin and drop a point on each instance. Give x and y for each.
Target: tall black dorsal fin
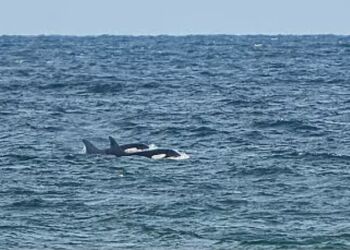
(90, 148)
(115, 148)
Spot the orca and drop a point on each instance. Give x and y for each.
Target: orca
(158, 153)
(128, 148)
(153, 153)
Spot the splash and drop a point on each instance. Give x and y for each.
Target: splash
(152, 146)
(83, 150)
(183, 156)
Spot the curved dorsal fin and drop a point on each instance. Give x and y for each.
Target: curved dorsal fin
(114, 146)
(90, 148)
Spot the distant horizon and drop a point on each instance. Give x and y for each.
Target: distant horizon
(180, 35)
(174, 18)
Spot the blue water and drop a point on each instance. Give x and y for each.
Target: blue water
(264, 119)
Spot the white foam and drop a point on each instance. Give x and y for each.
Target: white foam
(83, 150)
(152, 146)
(183, 156)
(121, 173)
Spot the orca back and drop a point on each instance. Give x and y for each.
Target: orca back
(154, 152)
(133, 147)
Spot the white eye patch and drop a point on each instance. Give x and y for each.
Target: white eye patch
(160, 156)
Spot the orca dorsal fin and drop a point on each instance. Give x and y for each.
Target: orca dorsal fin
(90, 148)
(114, 146)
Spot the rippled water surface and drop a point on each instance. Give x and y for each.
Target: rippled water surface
(265, 120)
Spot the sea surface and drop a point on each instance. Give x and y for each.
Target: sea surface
(265, 121)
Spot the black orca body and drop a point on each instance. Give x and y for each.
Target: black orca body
(131, 149)
(157, 153)
(154, 153)
(91, 149)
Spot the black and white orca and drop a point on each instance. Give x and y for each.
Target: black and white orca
(158, 153)
(132, 147)
(138, 149)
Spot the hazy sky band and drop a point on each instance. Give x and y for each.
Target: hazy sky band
(174, 17)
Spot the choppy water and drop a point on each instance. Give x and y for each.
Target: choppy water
(265, 120)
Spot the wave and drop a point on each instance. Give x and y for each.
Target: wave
(20, 157)
(285, 124)
(106, 88)
(34, 203)
(319, 155)
(204, 131)
(266, 170)
(285, 154)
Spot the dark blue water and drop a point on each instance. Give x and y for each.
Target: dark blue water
(265, 120)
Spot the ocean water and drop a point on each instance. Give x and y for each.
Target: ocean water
(264, 119)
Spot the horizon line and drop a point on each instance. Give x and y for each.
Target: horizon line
(174, 34)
